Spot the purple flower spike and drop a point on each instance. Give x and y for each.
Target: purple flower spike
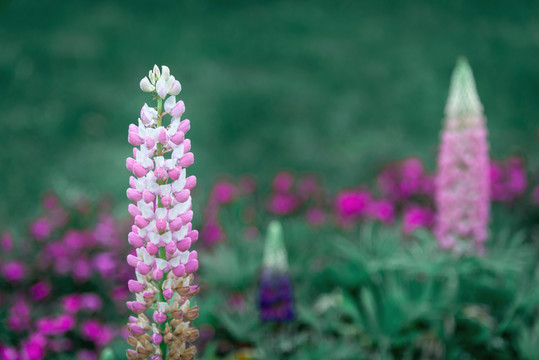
(462, 182)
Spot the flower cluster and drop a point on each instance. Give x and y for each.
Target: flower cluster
(508, 179)
(51, 283)
(162, 233)
(276, 298)
(462, 182)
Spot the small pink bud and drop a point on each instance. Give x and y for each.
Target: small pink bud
(175, 88)
(135, 286)
(161, 225)
(129, 163)
(149, 142)
(141, 222)
(159, 317)
(184, 244)
(178, 138)
(193, 255)
(134, 139)
(135, 240)
(147, 295)
(171, 247)
(152, 249)
(133, 210)
(193, 235)
(162, 92)
(168, 293)
(187, 160)
(163, 137)
(133, 128)
(190, 182)
(160, 173)
(186, 217)
(157, 339)
(176, 224)
(179, 270)
(182, 196)
(133, 195)
(178, 109)
(139, 170)
(191, 266)
(136, 307)
(186, 145)
(135, 329)
(157, 274)
(166, 201)
(148, 196)
(184, 126)
(132, 260)
(174, 174)
(143, 269)
(132, 181)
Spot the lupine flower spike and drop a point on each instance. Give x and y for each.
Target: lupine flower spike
(162, 233)
(276, 298)
(462, 182)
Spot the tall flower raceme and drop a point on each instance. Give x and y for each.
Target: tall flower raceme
(462, 182)
(162, 233)
(276, 297)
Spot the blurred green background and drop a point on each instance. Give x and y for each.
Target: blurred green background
(334, 87)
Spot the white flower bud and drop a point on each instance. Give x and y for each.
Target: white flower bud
(165, 73)
(146, 86)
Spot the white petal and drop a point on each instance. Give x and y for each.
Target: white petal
(161, 264)
(169, 103)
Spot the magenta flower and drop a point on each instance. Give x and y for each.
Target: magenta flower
(382, 210)
(162, 233)
(316, 216)
(349, 204)
(417, 217)
(462, 182)
(283, 203)
(14, 271)
(224, 192)
(40, 290)
(41, 229)
(508, 179)
(283, 181)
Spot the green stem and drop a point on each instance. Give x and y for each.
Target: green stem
(162, 251)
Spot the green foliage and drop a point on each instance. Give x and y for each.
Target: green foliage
(373, 293)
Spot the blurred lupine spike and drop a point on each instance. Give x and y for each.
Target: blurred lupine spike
(463, 98)
(276, 298)
(275, 256)
(463, 179)
(162, 233)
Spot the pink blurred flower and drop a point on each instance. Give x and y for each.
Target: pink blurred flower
(96, 332)
(417, 217)
(6, 242)
(8, 353)
(402, 180)
(316, 216)
(308, 187)
(86, 355)
(19, 315)
(91, 301)
(40, 290)
(211, 232)
(72, 303)
(351, 203)
(14, 271)
(382, 210)
(55, 326)
(283, 204)
(224, 192)
(41, 229)
(535, 195)
(282, 182)
(247, 185)
(34, 348)
(507, 179)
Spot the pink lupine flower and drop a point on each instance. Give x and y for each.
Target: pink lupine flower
(19, 315)
(382, 210)
(162, 233)
(507, 179)
(316, 216)
(283, 182)
(224, 192)
(8, 353)
(283, 203)
(14, 271)
(41, 229)
(40, 290)
(350, 204)
(462, 183)
(211, 232)
(403, 180)
(34, 348)
(417, 217)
